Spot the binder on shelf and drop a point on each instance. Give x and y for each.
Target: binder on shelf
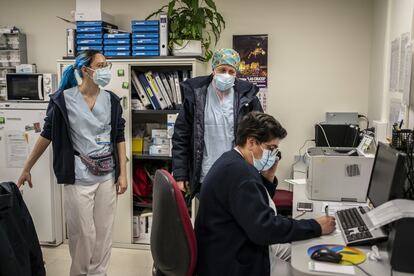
(163, 35)
(89, 47)
(167, 87)
(145, 53)
(171, 118)
(178, 88)
(117, 36)
(117, 47)
(171, 81)
(145, 48)
(117, 53)
(162, 102)
(149, 92)
(89, 41)
(70, 42)
(145, 41)
(161, 88)
(145, 35)
(140, 90)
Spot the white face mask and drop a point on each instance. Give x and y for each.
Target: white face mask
(224, 82)
(101, 76)
(267, 161)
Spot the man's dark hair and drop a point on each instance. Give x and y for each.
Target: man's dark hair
(260, 126)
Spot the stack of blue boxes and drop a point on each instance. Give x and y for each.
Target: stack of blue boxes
(145, 37)
(116, 45)
(89, 34)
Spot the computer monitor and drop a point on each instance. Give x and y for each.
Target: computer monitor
(388, 175)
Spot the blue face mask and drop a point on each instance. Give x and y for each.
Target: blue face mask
(224, 82)
(266, 162)
(102, 76)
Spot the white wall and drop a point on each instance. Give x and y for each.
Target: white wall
(391, 19)
(377, 104)
(319, 51)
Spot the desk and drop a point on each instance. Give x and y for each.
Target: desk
(300, 258)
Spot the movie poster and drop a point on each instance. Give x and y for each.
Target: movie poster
(253, 65)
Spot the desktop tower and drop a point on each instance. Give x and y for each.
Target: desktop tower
(401, 244)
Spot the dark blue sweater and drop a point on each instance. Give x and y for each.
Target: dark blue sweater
(235, 224)
(56, 129)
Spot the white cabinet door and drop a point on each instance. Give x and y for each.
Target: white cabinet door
(15, 145)
(123, 218)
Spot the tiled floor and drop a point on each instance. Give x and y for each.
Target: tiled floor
(124, 262)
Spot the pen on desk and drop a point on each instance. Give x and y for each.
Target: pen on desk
(326, 210)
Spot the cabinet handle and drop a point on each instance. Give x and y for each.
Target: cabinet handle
(124, 102)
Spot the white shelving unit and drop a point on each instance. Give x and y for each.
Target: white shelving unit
(121, 85)
(13, 52)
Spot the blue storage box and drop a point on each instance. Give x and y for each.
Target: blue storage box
(145, 48)
(117, 36)
(89, 41)
(89, 30)
(95, 24)
(145, 53)
(144, 29)
(145, 41)
(89, 36)
(117, 41)
(89, 47)
(145, 22)
(117, 48)
(117, 53)
(145, 35)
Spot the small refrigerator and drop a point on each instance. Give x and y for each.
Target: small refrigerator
(20, 126)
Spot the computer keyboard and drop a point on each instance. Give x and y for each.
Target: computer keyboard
(354, 228)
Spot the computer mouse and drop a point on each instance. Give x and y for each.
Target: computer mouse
(326, 255)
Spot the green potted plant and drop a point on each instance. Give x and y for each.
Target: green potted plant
(192, 26)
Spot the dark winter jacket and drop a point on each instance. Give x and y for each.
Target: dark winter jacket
(56, 129)
(188, 138)
(20, 252)
(235, 224)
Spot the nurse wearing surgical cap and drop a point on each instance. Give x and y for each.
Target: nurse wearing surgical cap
(205, 128)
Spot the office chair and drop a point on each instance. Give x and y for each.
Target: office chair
(173, 242)
(283, 200)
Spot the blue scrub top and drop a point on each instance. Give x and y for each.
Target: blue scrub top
(90, 131)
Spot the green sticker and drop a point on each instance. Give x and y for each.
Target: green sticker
(2, 120)
(125, 84)
(121, 72)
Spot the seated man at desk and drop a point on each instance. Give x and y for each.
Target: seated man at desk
(235, 224)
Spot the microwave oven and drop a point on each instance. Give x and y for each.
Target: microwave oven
(30, 87)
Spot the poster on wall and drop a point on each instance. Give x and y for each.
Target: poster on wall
(253, 64)
(394, 65)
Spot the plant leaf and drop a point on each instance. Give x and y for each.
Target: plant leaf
(170, 8)
(211, 4)
(221, 19)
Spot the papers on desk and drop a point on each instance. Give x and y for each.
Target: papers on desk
(333, 207)
(391, 211)
(298, 181)
(331, 268)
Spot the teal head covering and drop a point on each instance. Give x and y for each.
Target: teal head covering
(225, 56)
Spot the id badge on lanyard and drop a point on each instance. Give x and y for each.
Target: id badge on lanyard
(103, 139)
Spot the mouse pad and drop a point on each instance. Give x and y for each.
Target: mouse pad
(350, 255)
